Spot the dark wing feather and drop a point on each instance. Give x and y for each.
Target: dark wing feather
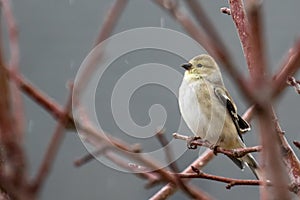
(240, 124)
(243, 125)
(238, 162)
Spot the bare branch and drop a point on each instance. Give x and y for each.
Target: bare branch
(293, 82)
(240, 152)
(257, 55)
(290, 159)
(225, 10)
(240, 20)
(171, 188)
(53, 147)
(110, 20)
(190, 191)
(297, 144)
(289, 67)
(231, 181)
(90, 156)
(250, 32)
(205, 22)
(109, 23)
(13, 35)
(13, 152)
(39, 97)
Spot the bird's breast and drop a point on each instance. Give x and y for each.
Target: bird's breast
(191, 109)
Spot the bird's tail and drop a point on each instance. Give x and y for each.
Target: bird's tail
(253, 165)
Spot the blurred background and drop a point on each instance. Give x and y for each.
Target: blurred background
(56, 36)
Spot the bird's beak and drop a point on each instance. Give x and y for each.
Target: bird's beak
(187, 66)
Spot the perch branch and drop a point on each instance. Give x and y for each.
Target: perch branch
(240, 152)
(200, 162)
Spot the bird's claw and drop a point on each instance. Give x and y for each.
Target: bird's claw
(190, 141)
(214, 148)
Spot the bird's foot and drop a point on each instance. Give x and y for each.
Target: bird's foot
(214, 148)
(190, 141)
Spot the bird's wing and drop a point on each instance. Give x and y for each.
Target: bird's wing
(241, 125)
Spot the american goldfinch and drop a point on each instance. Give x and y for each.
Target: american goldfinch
(209, 111)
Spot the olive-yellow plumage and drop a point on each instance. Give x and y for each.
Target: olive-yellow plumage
(209, 110)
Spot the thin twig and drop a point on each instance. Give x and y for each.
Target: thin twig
(164, 143)
(239, 152)
(109, 23)
(42, 99)
(12, 153)
(231, 181)
(297, 144)
(149, 176)
(53, 147)
(90, 156)
(225, 10)
(190, 191)
(110, 20)
(105, 151)
(288, 68)
(293, 82)
(14, 63)
(171, 188)
(290, 159)
(205, 22)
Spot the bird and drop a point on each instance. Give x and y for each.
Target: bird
(210, 112)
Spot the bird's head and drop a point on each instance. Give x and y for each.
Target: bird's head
(200, 66)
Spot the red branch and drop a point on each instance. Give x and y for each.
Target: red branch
(289, 67)
(240, 152)
(242, 25)
(109, 23)
(297, 144)
(251, 35)
(231, 181)
(170, 188)
(293, 82)
(12, 151)
(290, 159)
(193, 193)
(14, 62)
(53, 147)
(225, 10)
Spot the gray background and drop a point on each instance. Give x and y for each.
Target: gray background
(55, 37)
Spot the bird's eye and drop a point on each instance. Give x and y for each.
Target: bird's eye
(199, 65)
